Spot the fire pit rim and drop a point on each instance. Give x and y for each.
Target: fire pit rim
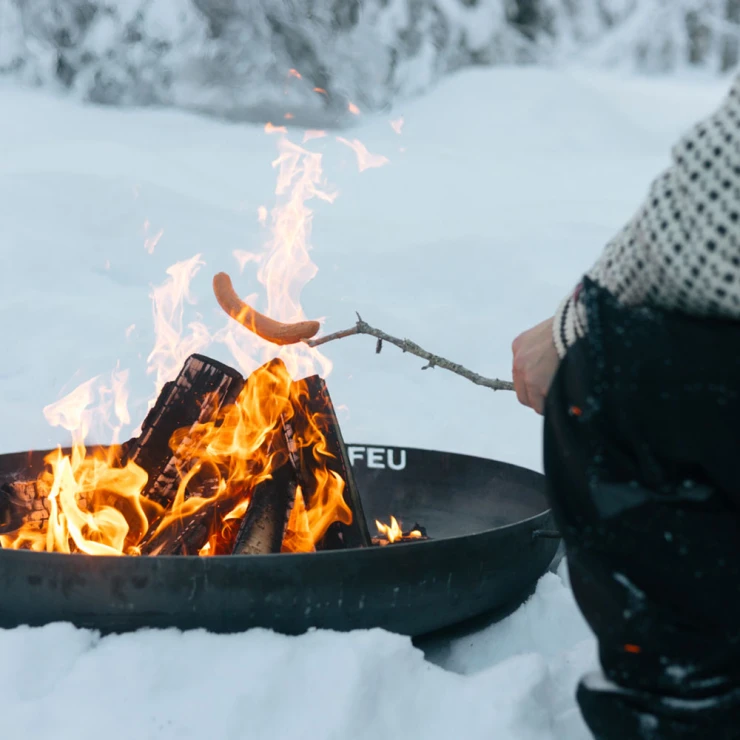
(321, 553)
(283, 555)
(409, 591)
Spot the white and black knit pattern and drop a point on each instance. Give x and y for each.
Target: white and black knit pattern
(682, 249)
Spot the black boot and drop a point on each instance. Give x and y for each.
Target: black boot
(613, 713)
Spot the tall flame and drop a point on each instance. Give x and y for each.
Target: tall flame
(175, 342)
(286, 265)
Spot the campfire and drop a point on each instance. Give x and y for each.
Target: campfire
(223, 464)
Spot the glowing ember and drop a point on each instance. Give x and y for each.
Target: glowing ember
(393, 533)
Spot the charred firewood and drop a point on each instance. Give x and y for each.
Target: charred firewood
(271, 500)
(186, 535)
(311, 400)
(22, 502)
(199, 391)
(263, 528)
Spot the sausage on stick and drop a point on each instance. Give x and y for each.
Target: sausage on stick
(263, 326)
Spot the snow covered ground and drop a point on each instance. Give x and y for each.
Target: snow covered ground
(501, 189)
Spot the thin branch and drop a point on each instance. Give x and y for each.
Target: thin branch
(362, 327)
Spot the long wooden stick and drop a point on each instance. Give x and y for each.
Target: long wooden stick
(406, 345)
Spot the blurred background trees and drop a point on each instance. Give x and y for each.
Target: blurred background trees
(233, 58)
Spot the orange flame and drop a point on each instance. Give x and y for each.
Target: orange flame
(171, 346)
(393, 532)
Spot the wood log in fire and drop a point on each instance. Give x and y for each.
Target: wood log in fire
(312, 404)
(263, 528)
(186, 535)
(201, 388)
(23, 502)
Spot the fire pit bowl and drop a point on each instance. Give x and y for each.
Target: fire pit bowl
(488, 522)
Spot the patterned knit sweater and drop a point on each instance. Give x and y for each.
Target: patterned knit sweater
(681, 250)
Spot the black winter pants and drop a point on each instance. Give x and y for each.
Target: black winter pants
(642, 457)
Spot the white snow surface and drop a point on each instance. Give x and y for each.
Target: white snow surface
(69, 683)
(509, 183)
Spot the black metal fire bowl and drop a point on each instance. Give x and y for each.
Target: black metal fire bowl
(484, 518)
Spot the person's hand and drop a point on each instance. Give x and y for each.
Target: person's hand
(534, 365)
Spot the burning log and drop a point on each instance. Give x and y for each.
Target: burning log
(263, 527)
(184, 535)
(186, 530)
(312, 405)
(199, 391)
(23, 502)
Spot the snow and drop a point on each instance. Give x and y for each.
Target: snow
(509, 183)
(69, 683)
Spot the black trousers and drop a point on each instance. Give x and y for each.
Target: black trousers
(642, 458)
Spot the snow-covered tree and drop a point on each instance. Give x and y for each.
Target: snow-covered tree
(649, 35)
(234, 57)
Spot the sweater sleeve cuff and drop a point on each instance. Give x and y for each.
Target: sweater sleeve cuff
(565, 325)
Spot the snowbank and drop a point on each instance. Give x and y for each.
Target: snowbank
(67, 683)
